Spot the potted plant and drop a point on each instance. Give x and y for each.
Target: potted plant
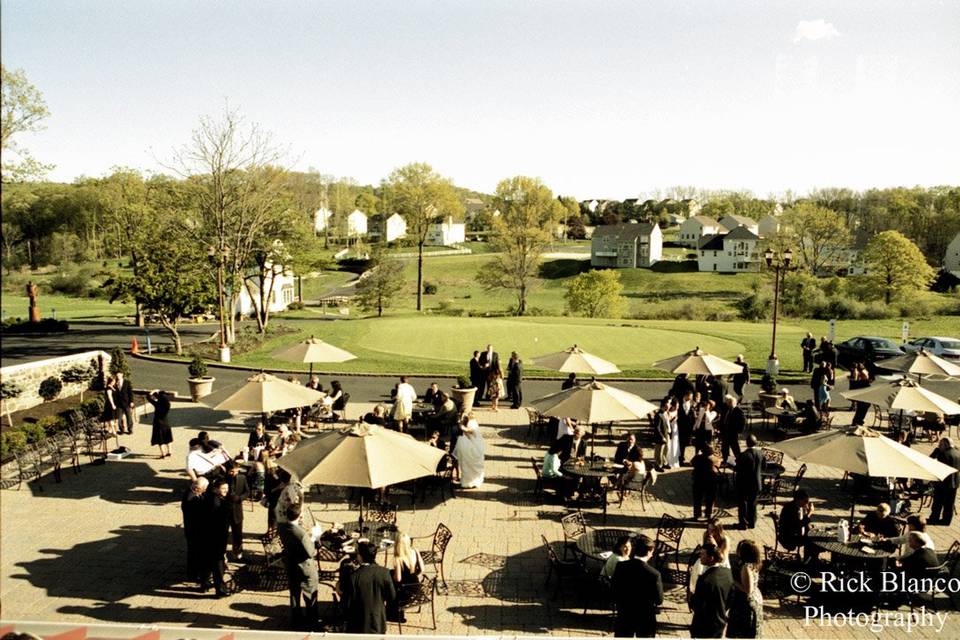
(200, 383)
(463, 393)
(768, 397)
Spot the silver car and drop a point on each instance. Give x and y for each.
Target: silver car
(946, 348)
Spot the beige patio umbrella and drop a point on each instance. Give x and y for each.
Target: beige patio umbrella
(364, 455)
(313, 350)
(576, 360)
(698, 363)
(904, 395)
(264, 393)
(866, 452)
(921, 363)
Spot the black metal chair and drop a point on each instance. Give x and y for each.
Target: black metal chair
(638, 485)
(574, 525)
(669, 535)
(570, 569)
(416, 596)
(438, 551)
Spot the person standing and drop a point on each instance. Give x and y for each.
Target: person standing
(478, 378)
(570, 382)
(514, 380)
(403, 404)
(807, 346)
(124, 402)
(711, 599)
(161, 435)
(706, 474)
(109, 415)
(218, 511)
(673, 442)
(740, 380)
(369, 591)
(734, 423)
(859, 379)
(748, 483)
(299, 551)
(661, 435)
(746, 601)
(239, 491)
(945, 491)
(469, 452)
(638, 589)
(686, 416)
(495, 387)
(194, 508)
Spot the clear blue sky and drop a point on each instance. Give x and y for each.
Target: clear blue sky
(606, 99)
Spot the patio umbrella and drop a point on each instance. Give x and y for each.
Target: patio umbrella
(866, 452)
(921, 363)
(313, 350)
(576, 360)
(698, 363)
(264, 393)
(594, 402)
(363, 455)
(904, 395)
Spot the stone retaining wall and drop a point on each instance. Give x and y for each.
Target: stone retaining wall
(28, 377)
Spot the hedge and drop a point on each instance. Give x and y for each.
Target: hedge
(18, 438)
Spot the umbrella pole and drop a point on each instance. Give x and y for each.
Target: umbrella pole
(360, 519)
(593, 438)
(311, 370)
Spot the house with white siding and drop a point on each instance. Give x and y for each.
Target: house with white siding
(733, 252)
(321, 219)
(387, 229)
(280, 284)
(951, 260)
(768, 226)
(446, 233)
(626, 246)
(695, 228)
(356, 224)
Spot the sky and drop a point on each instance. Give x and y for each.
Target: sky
(598, 99)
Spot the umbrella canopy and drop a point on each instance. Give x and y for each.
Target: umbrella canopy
(904, 395)
(921, 363)
(364, 455)
(313, 350)
(698, 363)
(576, 360)
(866, 452)
(594, 402)
(263, 393)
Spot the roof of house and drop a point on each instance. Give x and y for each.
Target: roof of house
(627, 231)
(744, 220)
(705, 220)
(741, 233)
(712, 242)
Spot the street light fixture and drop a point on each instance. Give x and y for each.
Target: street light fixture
(779, 263)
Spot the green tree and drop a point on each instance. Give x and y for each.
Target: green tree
(596, 294)
(896, 266)
(366, 201)
(381, 284)
(422, 197)
(819, 235)
(520, 233)
(23, 109)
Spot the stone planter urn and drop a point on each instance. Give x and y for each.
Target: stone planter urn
(463, 394)
(200, 387)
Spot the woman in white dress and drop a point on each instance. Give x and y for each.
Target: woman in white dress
(403, 403)
(673, 444)
(469, 453)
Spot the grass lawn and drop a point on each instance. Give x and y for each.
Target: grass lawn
(67, 308)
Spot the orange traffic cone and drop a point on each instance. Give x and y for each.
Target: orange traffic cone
(134, 347)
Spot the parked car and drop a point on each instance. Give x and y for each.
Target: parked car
(946, 348)
(866, 349)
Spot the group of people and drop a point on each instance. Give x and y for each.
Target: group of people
(487, 376)
(119, 412)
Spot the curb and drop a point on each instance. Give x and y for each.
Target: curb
(389, 374)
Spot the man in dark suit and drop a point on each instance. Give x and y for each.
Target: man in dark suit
(194, 508)
(706, 473)
(681, 385)
(215, 537)
(570, 382)
(945, 491)
(299, 559)
(795, 521)
(514, 380)
(370, 589)
(686, 416)
(919, 558)
(740, 380)
(478, 378)
(748, 483)
(489, 360)
(807, 346)
(718, 389)
(239, 491)
(710, 601)
(124, 400)
(638, 591)
(570, 445)
(733, 423)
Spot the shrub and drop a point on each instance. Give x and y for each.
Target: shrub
(50, 388)
(72, 283)
(296, 305)
(10, 390)
(429, 288)
(463, 382)
(118, 362)
(51, 425)
(34, 432)
(197, 367)
(768, 383)
(78, 373)
(12, 442)
(92, 408)
(841, 308)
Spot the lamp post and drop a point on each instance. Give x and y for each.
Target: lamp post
(213, 254)
(779, 262)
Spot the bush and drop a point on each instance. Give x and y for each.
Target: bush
(78, 373)
(76, 283)
(118, 362)
(46, 325)
(12, 442)
(92, 408)
(463, 382)
(842, 309)
(296, 305)
(34, 433)
(50, 388)
(51, 425)
(768, 383)
(10, 390)
(429, 288)
(197, 367)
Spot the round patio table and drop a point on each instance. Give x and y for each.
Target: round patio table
(371, 532)
(595, 542)
(851, 551)
(591, 469)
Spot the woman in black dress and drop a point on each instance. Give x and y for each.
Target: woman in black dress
(109, 415)
(162, 435)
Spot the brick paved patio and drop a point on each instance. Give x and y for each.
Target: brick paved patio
(106, 545)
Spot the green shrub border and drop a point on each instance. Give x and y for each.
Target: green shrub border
(18, 438)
